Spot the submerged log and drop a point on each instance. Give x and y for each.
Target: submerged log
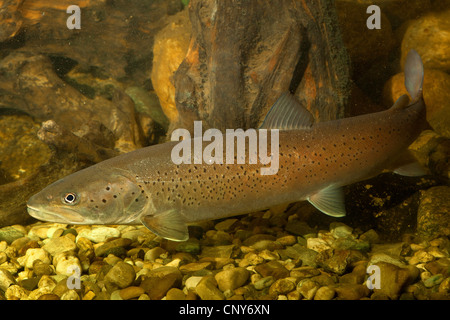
(244, 54)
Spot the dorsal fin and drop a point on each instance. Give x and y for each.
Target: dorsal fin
(287, 114)
(414, 75)
(401, 102)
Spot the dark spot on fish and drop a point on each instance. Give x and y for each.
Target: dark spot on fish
(108, 188)
(114, 196)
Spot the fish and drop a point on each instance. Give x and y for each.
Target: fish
(315, 162)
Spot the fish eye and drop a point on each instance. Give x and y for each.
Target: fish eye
(70, 198)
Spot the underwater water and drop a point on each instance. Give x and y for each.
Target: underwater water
(85, 82)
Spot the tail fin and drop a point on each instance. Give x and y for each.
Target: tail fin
(414, 75)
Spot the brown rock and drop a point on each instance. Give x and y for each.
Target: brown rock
(433, 216)
(207, 289)
(157, 287)
(232, 278)
(169, 50)
(325, 293)
(272, 268)
(131, 292)
(281, 286)
(121, 275)
(393, 279)
(346, 291)
(429, 36)
(175, 294)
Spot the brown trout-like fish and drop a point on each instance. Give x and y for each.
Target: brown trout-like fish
(314, 162)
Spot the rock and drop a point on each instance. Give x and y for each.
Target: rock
(393, 279)
(48, 296)
(265, 282)
(324, 293)
(116, 247)
(307, 288)
(41, 268)
(371, 236)
(307, 256)
(225, 225)
(440, 266)
(444, 287)
(433, 218)
(299, 228)
(192, 245)
(335, 261)
(207, 289)
(11, 233)
(32, 255)
(317, 244)
(169, 49)
(287, 240)
(346, 291)
(66, 264)
(217, 252)
(433, 280)
(175, 294)
(6, 279)
(272, 268)
(340, 230)
(70, 295)
(431, 150)
(436, 95)
(304, 272)
(121, 275)
(195, 267)
(99, 234)
(157, 287)
(59, 245)
(421, 256)
(429, 36)
(232, 278)
(192, 282)
(282, 286)
(154, 253)
(131, 292)
(15, 292)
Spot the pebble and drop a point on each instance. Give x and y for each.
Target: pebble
(11, 233)
(116, 247)
(175, 294)
(347, 291)
(232, 278)
(307, 288)
(282, 286)
(121, 275)
(59, 245)
(131, 292)
(32, 255)
(99, 234)
(325, 293)
(265, 282)
(207, 289)
(340, 230)
(6, 279)
(157, 287)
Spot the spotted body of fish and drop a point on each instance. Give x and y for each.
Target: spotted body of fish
(315, 161)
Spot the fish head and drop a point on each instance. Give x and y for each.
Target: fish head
(91, 196)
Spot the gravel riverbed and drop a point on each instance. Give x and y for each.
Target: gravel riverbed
(258, 256)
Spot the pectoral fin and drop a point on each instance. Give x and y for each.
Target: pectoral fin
(330, 201)
(168, 224)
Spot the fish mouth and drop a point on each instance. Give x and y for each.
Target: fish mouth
(69, 217)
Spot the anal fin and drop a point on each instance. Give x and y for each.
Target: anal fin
(169, 224)
(329, 201)
(407, 165)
